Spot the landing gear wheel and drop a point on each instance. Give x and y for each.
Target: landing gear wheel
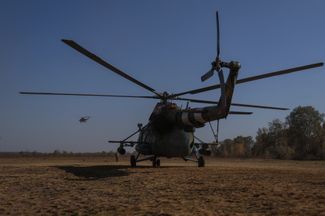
(158, 163)
(133, 161)
(201, 162)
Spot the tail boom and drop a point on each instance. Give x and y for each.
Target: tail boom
(197, 117)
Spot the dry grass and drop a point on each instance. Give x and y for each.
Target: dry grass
(100, 186)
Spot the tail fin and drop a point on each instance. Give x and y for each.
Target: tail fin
(229, 86)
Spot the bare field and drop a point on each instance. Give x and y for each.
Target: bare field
(100, 186)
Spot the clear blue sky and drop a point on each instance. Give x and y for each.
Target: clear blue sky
(165, 44)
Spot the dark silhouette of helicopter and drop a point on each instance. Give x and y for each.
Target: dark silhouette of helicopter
(170, 129)
(84, 119)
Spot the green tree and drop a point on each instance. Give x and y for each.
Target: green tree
(272, 142)
(305, 132)
(240, 146)
(243, 146)
(226, 147)
(261, 142)
(302, 136)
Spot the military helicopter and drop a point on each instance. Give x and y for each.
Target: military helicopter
(84, 119)
(170, 129)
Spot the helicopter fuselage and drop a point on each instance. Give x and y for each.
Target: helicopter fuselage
(163, 136)
(173, 143)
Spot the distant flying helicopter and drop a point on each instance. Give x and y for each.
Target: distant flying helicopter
(170, 129)
(84, 119)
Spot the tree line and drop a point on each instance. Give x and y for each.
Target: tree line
(300, 136)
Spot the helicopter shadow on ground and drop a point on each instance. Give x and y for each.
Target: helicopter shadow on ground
(103, 171)
(95, 172)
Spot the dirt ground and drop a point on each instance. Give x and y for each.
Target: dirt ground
(101, 186)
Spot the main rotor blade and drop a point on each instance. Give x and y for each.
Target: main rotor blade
(240, 113)
(100, 61)
(87, 95)
(248, 79)
(233, 104)
(280, 72)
